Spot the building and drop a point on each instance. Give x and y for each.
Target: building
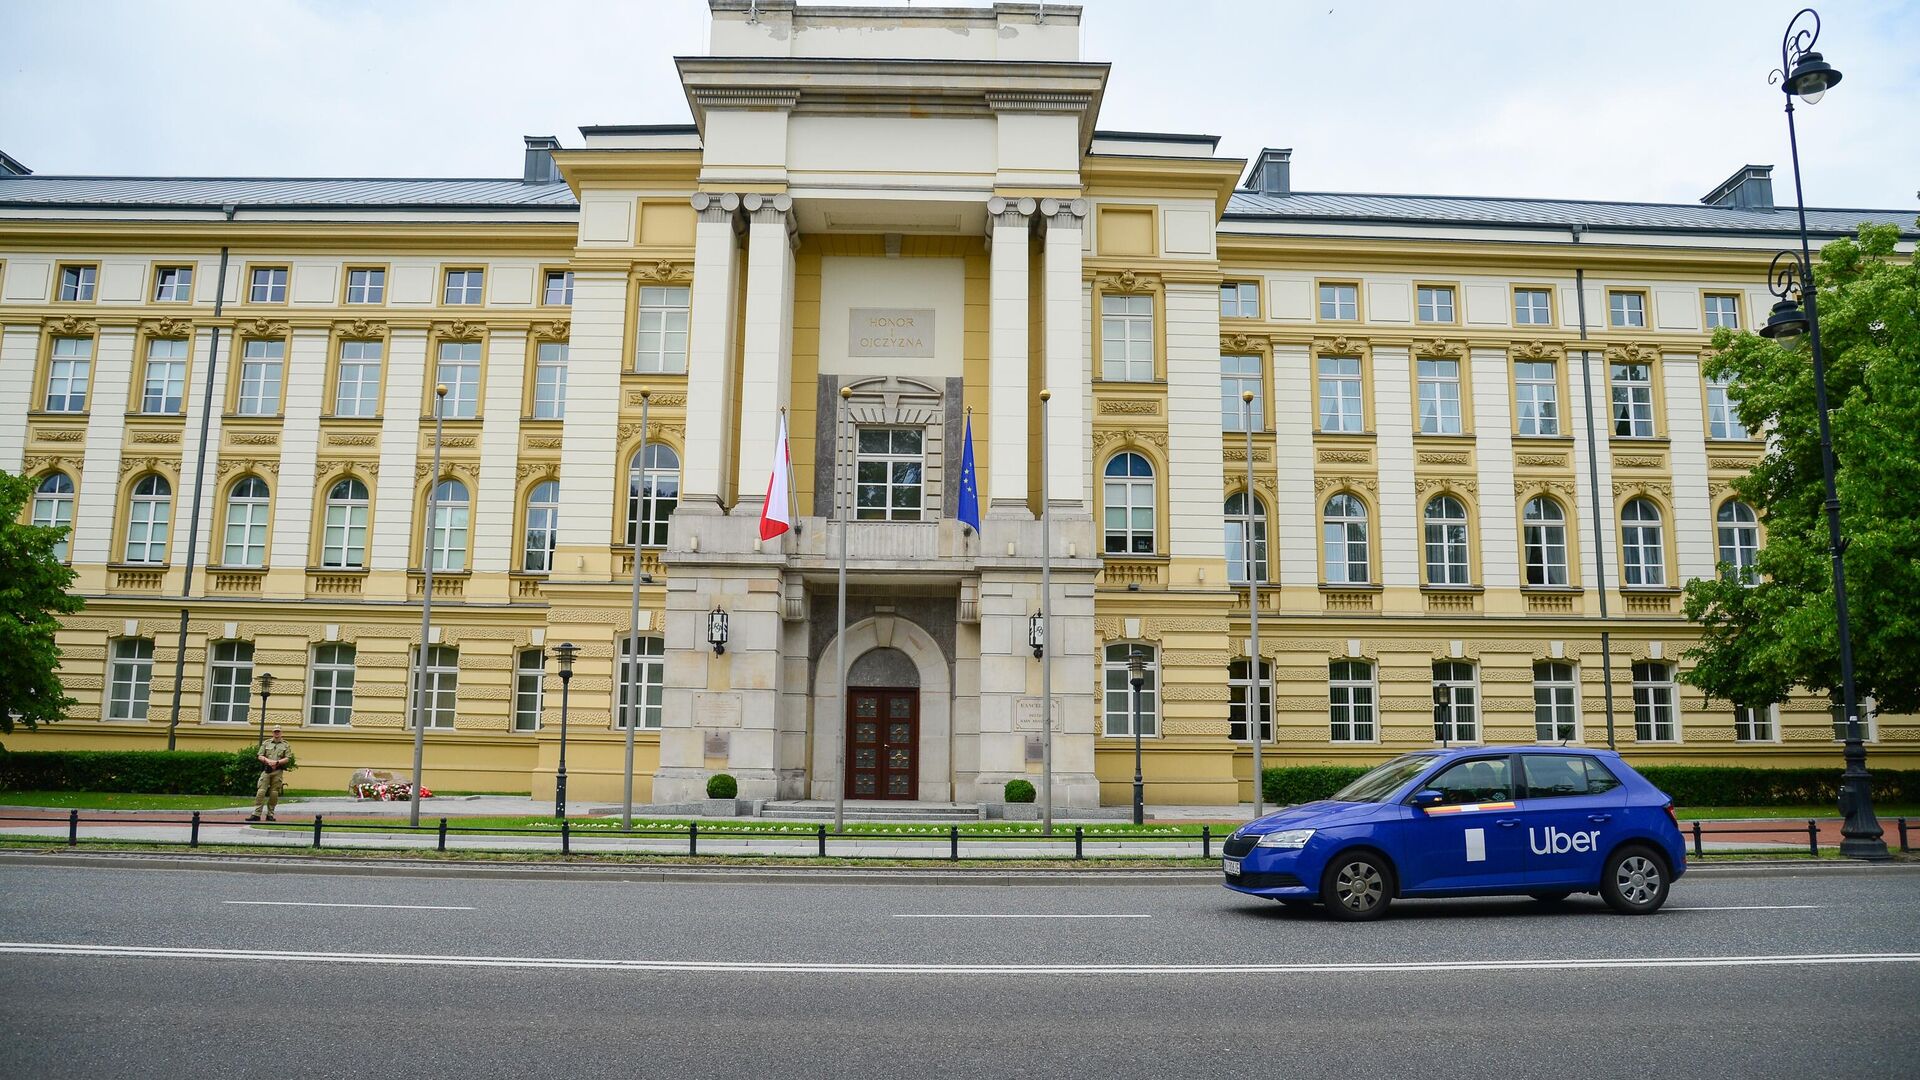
(1480, 438)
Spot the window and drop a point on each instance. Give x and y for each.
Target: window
(888, 466)
(1239, 374)
(653, 651)
(147, 517)
(1723, 411)
(1533, 307)
(1556, 709)
(166, 376)
(67, 374)
(229, 682)
(129, 677)
(459, 372)
(1627, 310)
(1237, 701)
(1723, 310)
(465, 286)
(651, 497)
(1340, 400)
(1739, 540)
(439, 687)
(53, 509)
(1128, 505)
(1869, 720)
(529, 689)
(447, 533)
(1560, 776)
(246, 524)
(260, 377)
(1632, 401)
(660, 341)
(1240, 300)
(558, 291)
(173, 285)
(269, 285)
(1753, 724)
(1343, 528)
(356, 390)
(1643, 555)
(1439, 396)
(1456, 719)
(550, 381)
(1536, 388)
(1446, 528)
(76, 282)
(543, 523)
(1544, 526)
(343, 532)
(1126, 338)
(1478, 781)
(1653, 712)
(1339, 303)
(1350, 701)
(366, 285)
(1246, 563)
(1435, 303)
(331, 702)
(1118, 703)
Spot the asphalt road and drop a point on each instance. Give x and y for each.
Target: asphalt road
(126, 972)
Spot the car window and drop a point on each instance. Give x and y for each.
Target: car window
(1384, 780)
(1551, 776)
(1482, 780)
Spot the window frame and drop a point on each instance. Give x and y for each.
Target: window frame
(346, 287)
(341, 362)
(1646, 309)
(1132, 484)
(158, 282)
(653, 669)
(1527, 545)
(1707, 296)
(1744, 729)
(1129, 365)
(364, 503)
(53, 501)
(139, 682)
(1346, 682)
(644, 504)
(448, 519)
(548, 524)
(1726, 518)
(324, 676)
(433, 688)
(258, 507)
(1453, 303)
(889, 510)
(1671, 685)
(555, 404)
(163, 520)
(285, 284)
(241, 380)
(1242, 381)
(467, 286)
(145, 381)
(1240, 288)
(1343, 381)
(1553, 397)
(549, 272)
(86, 281)
(1571, 685)
(1150, 726)
(1238, 684)
(661, 354)
(1320, 301)
(1472, 703)
(226, 691)
(458, 401)
(1449, 543)
(1254, 523)
(1462, 394)
(529, 682)
(85, 365)
(1615, 384)
(1639, 566)
(1724, 414)
(1513, 304)
(1345, 522)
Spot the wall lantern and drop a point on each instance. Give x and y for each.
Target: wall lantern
(1037, 634)
(717, 631)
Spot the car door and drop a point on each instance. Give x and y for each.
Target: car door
(1470, 840)
(1569, 804)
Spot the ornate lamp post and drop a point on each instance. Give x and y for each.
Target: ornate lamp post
(565, 652)
(1137, 674)
(635, 707)
(266, 692)
(1256, 569)
(1803, 73)
(1442, 699)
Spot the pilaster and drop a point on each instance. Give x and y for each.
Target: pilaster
(1062, 221)
(107, 390)
(704, 470)
(1008, 395)
(766, 354)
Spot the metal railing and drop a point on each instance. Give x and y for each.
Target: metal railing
(1698, 832)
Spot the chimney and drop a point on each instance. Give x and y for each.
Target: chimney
(1749, 188)
(1272, 172)
(540, 168)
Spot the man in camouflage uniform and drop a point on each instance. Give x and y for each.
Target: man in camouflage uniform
(274, 754)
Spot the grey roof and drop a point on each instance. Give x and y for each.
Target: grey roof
(1549, 213)
(186, 193)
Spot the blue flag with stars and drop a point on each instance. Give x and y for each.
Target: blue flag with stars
(969, 511)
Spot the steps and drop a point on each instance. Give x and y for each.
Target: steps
(864, 810)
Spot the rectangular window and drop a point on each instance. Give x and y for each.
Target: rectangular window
(76, 282)
(1536, 389)
(67, 374)
(366, 285)
(331, 704)
(465, 287)
(166, 376)
(230, 682)
(440, 688)
(1723, 309)
(269, 285)
(1456, 718)
(1753, 725)
(1556, 709)
(1435, 303)
(529, 689)
(1126, 338)
(459, 372)
(1653, 703)
(558, 290)
(1723, 411)
(343, 533)
(1239, 374)
(128, 679)
(1533, 307)
(1627, 310)
(1339, 303)
(356, 390)
(1632, 401)
(888, 464)
(550, 381)
(1237, 701)
(1340, 398)
(1350, 701)
(173, 285)
(260, 366)
(1240, 300)
(652, 674)
(1118, 703)
(1439, 396)
(660, 338)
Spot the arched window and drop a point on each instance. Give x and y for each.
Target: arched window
(1643, 556)
(1246, 563)
(1545, 540)
(1118, 697)
(53, 509)
(1446, 541)
(147, 519)
(246, 524)
(651, 495)
(1343, 527)
(343, 532)
(1739, 539)
(447, 532)
(1129, 505)
(543, 523)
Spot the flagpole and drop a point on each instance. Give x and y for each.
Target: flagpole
(1046, 625)
(793, 493)
(840, 634)
(634, 708)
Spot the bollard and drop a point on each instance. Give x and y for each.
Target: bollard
(443, 834)
(1079, 841)
(1697, 851)
(1206, 841)
(693, 838)
(73, 828)
(1813, 838)
(193, 834)
(316, 831)
(566, 837)
(1903, 835)
(823, 839)
(953, 842)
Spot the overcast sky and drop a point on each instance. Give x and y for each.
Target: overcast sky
(1621, 99)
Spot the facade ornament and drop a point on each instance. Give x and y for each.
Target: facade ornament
(147, 464)
(165, 438)
(1346, 457)
(1127, 407)
(34, 463)
(1439, 348)
(543, 443)
(548, 469)
(1239, 453)
(1739, 464)
(360, 329)
(1632, 353)
(1536, 350)
(1128, 281)
(461, 330)
(169, 328)
(256, 438)
(1639, 462)
(59, 435)
(1324, 484)
(1241, 343)
(1432, 485)
(559, 330)
(1340, 346)
(229, 466)
(659, 399)
(668, 270)
(263, 328)
(1526, 489)
(1430, 458)
(1129, 437)
(1549, 460)
(1643, 487)
(72, 327)
(340, 439)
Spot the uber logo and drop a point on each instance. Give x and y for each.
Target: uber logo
(1556, 842)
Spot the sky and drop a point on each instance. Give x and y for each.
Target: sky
(1627, 99)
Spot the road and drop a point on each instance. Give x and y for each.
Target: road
(132, 972)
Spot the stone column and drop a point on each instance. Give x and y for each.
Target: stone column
(766, 355)
(703, 471)
(1065, 353)
(1008, 395)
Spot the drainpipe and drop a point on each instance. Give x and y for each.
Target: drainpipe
(1593, 485)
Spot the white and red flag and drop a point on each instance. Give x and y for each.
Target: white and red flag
(776, 516)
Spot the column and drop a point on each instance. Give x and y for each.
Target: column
(766, 354)
(1065, 352)
(93, 513)
(1008, 395)
(710, 354)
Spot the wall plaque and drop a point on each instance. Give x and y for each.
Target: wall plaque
(903, 332)
(716, 710)
(1026, 713)
(716, 743)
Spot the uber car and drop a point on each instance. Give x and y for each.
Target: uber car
(1537, 821)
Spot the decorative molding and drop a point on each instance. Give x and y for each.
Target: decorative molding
(261, 328)
(164, 438)
(558, 330)
(460, 330)
(360, 328)
(1347, 457)
(1243, 343)
(1524, 489)
(1340, 346)
(167, 328)
(1738, 464)
(1546, 460)
(667, 270)
(544, 443)
(1129, 437)
(1125, 407)
(468, 469)
(1239, 453)
(667, 399)
(147, 464)
(1536, 350)
(1128, 281)
(1323, 484)
(1643, 487)
(529, 469)
(34, 463)
(71, 326)
(342, 439)
(59, 435)
(1429, 485)
(1626, 462)
(231, 465)
(1439, 349)
(255, 438)
(1432, 458)
(1632, 353)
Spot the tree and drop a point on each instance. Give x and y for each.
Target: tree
(1762, 639)
(33, 589)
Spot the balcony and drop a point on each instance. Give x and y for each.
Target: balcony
(1118, 571)
(447, 584)
(1349, 600)
(345, 583)
(236, 582)
(649, 563)
(139, 579)
(1660, 603)
(1550, 603)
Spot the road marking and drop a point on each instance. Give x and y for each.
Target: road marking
(312, 903)
(1753, 907)
(898, 915)
(552, 963)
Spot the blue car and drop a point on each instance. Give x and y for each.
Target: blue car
(1537, 821)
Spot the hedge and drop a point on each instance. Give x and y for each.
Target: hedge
(1689, 785)
(722, 786)
(150, 772)
(1018, 791)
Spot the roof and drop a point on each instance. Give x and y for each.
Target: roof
(179, 193)
(1549, 213)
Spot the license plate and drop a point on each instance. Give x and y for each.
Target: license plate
(1231, 866)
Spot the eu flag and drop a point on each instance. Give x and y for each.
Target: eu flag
(969, 511)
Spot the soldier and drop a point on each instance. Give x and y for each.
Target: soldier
(274, 754)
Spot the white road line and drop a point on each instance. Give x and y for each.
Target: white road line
(1752, 907)
(311, 903)
(546, 963)
(901, 915)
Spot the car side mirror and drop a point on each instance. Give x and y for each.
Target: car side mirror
(1423, 799)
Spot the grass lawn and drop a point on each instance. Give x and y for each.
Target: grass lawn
(588, 826)
(113, 800)
(1792, 813)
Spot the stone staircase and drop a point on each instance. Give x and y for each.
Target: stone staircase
(870, 810)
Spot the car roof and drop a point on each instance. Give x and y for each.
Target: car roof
(1472, 751)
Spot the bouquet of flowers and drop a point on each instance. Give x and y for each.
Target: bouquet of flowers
(383, 786)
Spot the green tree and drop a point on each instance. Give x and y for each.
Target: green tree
(1762, 639)
(33, 589)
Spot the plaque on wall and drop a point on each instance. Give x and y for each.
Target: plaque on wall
(1026, 714)
(1035, 752)
(902, 332)
(716, 710)
(716, 744)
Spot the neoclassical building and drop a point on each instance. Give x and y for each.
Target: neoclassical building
(1480, 438)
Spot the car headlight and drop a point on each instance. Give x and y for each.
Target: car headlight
(1286, 838)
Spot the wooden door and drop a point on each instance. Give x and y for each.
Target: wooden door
(883, 743)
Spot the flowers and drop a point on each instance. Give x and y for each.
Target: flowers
(383, 786)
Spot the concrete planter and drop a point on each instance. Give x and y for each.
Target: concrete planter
(1011, 811)
(730, 808)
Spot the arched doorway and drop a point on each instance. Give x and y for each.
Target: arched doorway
(930, 681)
(883, 726)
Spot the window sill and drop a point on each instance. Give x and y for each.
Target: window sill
(139, 414)
(1650, 590)
(1463, 438)
(1641, 440)
(631, 373)
(1461, 590)
(543, 420)
(1552, 590)
(1568, 439)
(1362, 586)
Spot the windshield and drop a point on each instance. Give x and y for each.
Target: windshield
(1375, 786)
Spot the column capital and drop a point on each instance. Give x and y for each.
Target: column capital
(1063, 213)
(715, 205)
(772, 210)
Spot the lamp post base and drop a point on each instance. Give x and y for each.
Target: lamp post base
(560, 793)
(1861, 836)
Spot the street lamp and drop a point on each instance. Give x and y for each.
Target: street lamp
(565, 652)
(266, 692)
(1805, 74)
(717, 631)
(1137, 674)
(428, 555)
(631, 675)
(1255, 571)
(1442, 698)
(1037, 634)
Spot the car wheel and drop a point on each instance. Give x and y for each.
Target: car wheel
(1635, 881)
(1550, 897)
(1356, 887)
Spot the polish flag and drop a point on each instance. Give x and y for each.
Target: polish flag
(775, 516)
